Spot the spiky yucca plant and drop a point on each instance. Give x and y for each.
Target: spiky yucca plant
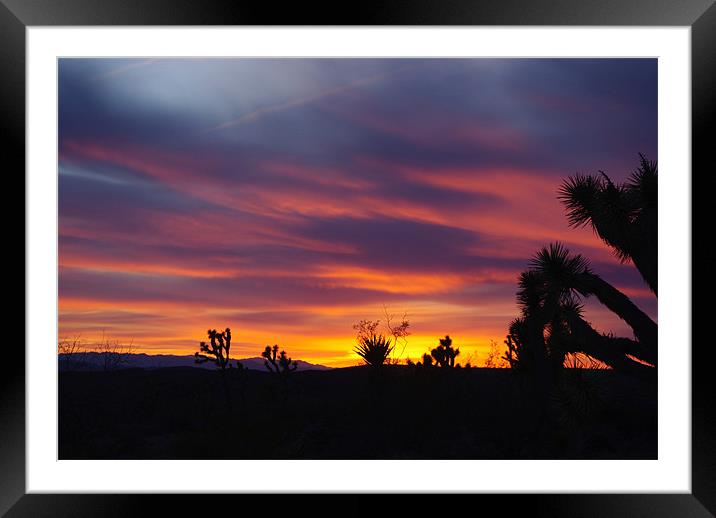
(374, 349)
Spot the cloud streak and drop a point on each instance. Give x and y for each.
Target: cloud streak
(295, 103)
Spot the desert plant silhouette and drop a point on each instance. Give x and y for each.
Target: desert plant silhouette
(445, 354)
(113, 353)
(374, 349)
(552, 315)
(551, 289)
(279, 364)
(71, 354)
(399, 332)
(517, 355)
(427, 360)
(396, 328)
(494, 360)
(217, 350)
(624, 215)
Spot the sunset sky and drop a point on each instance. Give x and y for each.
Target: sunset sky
(290, 198)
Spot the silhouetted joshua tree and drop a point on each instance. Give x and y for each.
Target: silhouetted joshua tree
(552, 324)
(374, 349)
(279, 364)
(517, 355)
(444, 354)
(427, 360)
(217, 350)
(624, 216)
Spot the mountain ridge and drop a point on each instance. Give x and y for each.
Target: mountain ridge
(107, 361)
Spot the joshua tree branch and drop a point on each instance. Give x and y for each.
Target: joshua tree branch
(610, 350)
(645, 329)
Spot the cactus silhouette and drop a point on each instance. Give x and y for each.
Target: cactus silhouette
(217, 350)
(519, 356)
(277, 363)
(444, 354)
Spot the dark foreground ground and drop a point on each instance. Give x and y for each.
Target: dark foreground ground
(352, 413)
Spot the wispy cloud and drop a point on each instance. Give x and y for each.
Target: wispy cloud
(302, 101)
(123, 69)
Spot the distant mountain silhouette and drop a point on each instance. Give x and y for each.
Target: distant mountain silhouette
(92, 361)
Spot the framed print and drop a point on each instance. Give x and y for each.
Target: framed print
(413, 251)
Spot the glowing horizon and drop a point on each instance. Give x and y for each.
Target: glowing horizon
(288, 199)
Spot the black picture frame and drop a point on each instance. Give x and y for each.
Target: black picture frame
(700, 15)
